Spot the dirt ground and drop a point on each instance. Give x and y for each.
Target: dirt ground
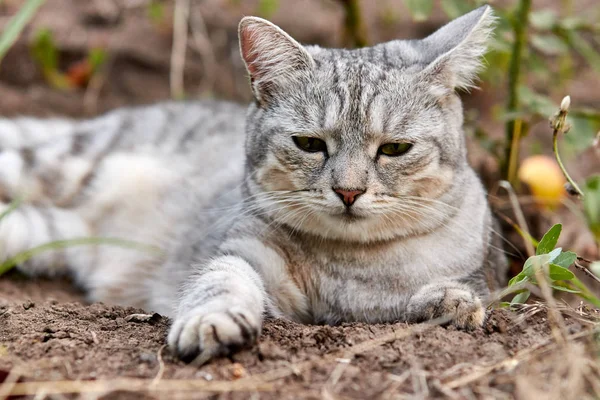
(49, 334)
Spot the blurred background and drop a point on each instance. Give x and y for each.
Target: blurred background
(80, 58)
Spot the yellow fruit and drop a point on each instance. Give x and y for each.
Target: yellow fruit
(545, 179)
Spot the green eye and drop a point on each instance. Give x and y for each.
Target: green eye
(394, 149)
(310, 144)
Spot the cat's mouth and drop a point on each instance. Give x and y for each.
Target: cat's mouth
(350, 215)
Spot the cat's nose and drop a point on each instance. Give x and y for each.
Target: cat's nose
(348, 196)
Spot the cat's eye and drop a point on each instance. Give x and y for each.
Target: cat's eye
(394, 149)
(310, 144)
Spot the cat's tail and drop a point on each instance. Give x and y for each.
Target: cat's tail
(25, 132)
(49, 160)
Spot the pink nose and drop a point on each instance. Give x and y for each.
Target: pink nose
(348, 196)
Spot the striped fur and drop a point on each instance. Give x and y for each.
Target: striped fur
(251, 224)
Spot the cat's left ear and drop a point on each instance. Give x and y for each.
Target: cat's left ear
(272, 57)
(456, 49)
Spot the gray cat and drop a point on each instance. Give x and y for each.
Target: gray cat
(350, 200)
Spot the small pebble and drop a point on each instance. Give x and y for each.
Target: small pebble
(28, 304)
(140, 318)
(238, 371)
(204, 375)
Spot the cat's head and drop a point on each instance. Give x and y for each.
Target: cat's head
(364, 144)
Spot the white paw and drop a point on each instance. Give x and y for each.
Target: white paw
(461, 307)
(200, 335)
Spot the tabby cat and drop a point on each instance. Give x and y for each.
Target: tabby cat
(343, 193)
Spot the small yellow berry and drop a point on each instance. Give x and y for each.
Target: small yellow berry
(545, 179)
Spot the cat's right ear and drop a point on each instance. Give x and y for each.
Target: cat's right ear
(272, 57)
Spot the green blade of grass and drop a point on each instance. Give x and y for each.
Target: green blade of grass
(586, 293)
(16, 24)
(61, 244)
(11, 207)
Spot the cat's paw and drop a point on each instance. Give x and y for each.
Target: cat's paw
(453, 302)
(200, 336)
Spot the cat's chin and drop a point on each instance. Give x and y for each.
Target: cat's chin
(349, 216)
(358, 228)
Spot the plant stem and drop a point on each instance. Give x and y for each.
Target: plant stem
(61, 244)
(15, 26)
(559, 125)
(354, 26)
(520, 24)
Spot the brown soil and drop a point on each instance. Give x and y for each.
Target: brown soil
(64, 339)
(48, 333)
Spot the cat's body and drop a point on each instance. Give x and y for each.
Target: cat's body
(351, 200)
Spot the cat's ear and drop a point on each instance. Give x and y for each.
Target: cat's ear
(455, 51)
(272, 57)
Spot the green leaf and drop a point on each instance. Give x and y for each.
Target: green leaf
(595, 268)
(591, 204)
(581, 136)
(536, 102)
(554, 254)
(548, 242)
(156, 11)
(565, 289)
(558, 273)
(565, 259)
(535, 262)
(549, 45)
(586, 50)
(419, 9)
(44, 50)
(543, 19)
(572, 23)
(267, 8)
(521, 297)
(15, 26)
(455, 8)
(96, 58)
(521, 277)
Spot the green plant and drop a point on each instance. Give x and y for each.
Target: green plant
(23, 256)
(61, 244)
(549, 41)
(46, 54)
(591, 188)
(16, 25)
(156, 11)
(591, 205)
(551, 264)
(267, 8)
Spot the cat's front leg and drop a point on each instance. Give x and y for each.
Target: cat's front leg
(452, 301)
(221, 310)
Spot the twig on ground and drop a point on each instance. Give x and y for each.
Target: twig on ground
(587, 271)
(132, 385)
(180, 36)
(335, 376)
(348, 353)
(512, 362)
(161, 366)
(9, 383)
